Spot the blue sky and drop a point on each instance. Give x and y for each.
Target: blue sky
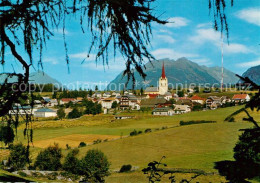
(191, 35)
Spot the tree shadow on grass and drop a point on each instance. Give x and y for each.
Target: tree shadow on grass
(11, 178)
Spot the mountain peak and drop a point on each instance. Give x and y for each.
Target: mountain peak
(180, 71)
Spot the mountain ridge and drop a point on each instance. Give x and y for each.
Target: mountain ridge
(181, 71)
(253, 73)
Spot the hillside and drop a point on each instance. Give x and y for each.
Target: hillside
(253, 73)
(180, 71)
(35, 77)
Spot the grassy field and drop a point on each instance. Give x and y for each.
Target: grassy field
(193, 146)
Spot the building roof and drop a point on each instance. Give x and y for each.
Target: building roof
(168, 94)
(45, 110)
(163, 72)
(109, 99)
(195, 97)
(67, 99)
(240, 96)
(153, 95)
(181, 107)
(162, 109)
(151, 89)
(152, 102)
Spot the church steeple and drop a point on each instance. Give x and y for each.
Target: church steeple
(163, 71)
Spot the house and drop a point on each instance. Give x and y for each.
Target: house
(45, 112)
(124, 102)
(152, 96)
(180, 109)
(106, 95)
(21, 110)
(97, 95)
(240, 98)
(67, 100)
(37, 103)
(198, 99)
(52, 103)
(164, 111)
(213, 102)
(153, 103)
(129, 101)
(115, 94)
(168, 96)
(107, 102)
(184, 101)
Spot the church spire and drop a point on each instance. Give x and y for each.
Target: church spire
(163, 71)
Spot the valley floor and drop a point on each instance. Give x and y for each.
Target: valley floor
(196, 146)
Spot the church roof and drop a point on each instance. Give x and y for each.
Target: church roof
(151, 89)
(163, 72)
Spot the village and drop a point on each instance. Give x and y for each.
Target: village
(159, 101)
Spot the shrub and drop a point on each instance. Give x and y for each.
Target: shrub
(7, 134)
(97, 141)
(71, 163)
(21, 173)
(68, 147)
(195, 122)
(61, 113)
(82, 144)
(140, 132)
(232, 119)
(125, 168)
(75, 113)
(148, 130)
(18, 157)
(95, 166)
(164, 127)
(49, 159)
(133, 133)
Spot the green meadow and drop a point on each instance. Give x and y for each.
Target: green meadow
(196, 146)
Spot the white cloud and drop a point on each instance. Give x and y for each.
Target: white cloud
(83, 55)
(50, 60)
(204, 25)
(177, 22)
(251, 15)
(202, 61)
(249, 64)
(113, 65)
(170, 53)
(203, 35)
(60, 31)
(165, 38)
(236, 48)
(214, 37)
(165, 31)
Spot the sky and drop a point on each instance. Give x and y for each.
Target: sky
(190, 34)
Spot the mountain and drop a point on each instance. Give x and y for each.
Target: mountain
(42, 78)
(229, 77)
(35, 77)
(181, 71)
(253, 73)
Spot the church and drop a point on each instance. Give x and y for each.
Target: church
(162, 89)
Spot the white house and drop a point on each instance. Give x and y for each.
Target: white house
(164, 111)
(107, 102)
(198, 99)
(106, 95)
(241, 98)
(180, 109)
(168, 96)
(21, 110)
(45, 112)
